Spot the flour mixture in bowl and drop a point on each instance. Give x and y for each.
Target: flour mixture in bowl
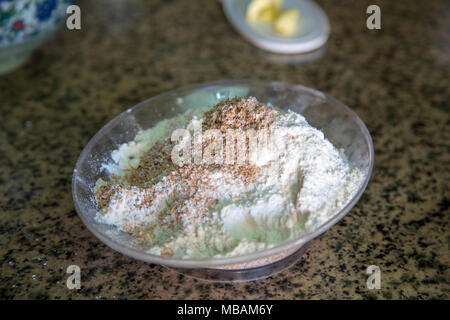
(225, 180)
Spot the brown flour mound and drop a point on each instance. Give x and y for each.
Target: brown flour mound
(236, 113)
(191, 180)
(239, 113)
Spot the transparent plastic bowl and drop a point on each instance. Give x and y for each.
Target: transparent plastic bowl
(337, 121)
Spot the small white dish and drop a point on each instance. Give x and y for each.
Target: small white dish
(312, 33)
(337, 121)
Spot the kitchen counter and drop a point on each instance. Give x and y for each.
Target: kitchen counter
(396, 79)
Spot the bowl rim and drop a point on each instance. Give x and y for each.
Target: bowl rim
(238, 259)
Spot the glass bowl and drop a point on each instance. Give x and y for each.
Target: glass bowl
(337, 121)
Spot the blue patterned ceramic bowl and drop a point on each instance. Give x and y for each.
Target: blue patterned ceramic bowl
(25, 25)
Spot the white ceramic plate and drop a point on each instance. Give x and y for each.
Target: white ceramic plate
(313, 31)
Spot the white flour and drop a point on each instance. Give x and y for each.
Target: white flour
(290, 194)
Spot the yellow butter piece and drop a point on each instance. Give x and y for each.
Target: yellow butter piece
(287, 22)
(263, 10)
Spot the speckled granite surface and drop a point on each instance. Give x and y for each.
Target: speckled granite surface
(396, 79)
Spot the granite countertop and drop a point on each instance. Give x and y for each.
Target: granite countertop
(396, 79)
